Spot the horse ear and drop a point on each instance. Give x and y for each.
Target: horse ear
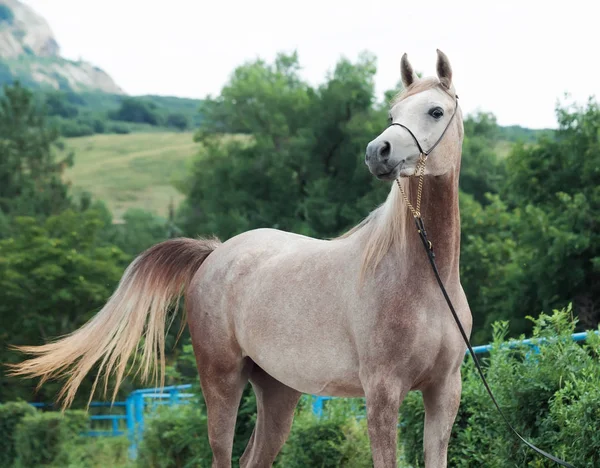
(444, 70)
(406, 70)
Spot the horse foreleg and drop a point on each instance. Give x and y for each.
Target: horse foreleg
(383, 398)
(275, 412)
(442, 400)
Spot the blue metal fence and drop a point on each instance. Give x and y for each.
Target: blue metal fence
(141, 402)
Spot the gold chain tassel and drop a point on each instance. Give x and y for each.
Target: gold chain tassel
(419, 172)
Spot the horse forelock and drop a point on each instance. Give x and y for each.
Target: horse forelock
(422, 85)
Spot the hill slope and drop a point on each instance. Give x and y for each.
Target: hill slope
(135, 170)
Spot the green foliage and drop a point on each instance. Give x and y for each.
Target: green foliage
(175, 438)
(74, 128)
(58, 104)
(96, 452)
(41, 438)
(536, 244)
(481, 171)
(11, 414)
(302, 168)
(137, 111)
(30, 173)
(337, 439)
(313, 443)
(119, 129)
(178, 121)
(516, 133)
(53, 277)
(550, 397)
(140, 230)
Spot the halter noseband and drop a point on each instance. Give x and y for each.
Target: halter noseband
(421, 151)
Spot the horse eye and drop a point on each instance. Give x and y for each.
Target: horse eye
(436, 112)
(390, 120)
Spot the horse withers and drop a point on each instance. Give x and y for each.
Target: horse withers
(356, 316)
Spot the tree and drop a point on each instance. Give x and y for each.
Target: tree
(558, 181)
(137, 111)
(30, 172)
(178, 121)
(298, 162)
(536, 245)
(481, 172)
(53, 277)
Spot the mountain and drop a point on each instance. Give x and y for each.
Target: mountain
(30, 53)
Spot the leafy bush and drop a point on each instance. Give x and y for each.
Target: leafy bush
(75, 128)
(138, 111)
(551, 398)
(174, 438)
(337, 439)
(119, 129)
(179, 121)
(101, 452)
(11, 414)
(41, 437)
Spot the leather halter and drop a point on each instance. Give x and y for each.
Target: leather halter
(421, 151)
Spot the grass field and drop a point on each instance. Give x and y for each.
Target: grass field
(133, 170)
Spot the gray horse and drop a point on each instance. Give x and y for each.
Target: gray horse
(359, 315)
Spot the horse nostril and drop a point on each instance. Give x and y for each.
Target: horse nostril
(385, 149)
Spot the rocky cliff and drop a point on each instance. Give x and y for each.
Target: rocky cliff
(30, 52)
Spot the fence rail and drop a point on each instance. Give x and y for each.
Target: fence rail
(142, 401)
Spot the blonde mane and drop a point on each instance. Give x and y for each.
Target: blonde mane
(382, 235)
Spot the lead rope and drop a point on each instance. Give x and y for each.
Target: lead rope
(416, 212)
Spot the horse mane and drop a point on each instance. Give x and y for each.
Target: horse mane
(381, 236)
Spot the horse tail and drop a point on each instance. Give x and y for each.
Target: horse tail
(151, 284)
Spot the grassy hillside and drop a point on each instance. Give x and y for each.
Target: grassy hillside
(137, 170)
(134, 170)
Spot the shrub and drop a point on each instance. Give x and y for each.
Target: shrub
(11, 414)
(137, 111)
(75, 128)
(101, 452)
(179, 121)
(550, 397)
(41, 438)
(337, 439)
(174, 438)
(119, 129)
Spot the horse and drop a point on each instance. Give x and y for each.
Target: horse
(359, 315)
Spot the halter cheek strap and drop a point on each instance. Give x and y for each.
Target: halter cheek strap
(421, 151)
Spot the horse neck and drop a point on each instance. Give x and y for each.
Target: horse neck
(441, 217)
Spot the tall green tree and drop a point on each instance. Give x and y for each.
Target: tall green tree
(53, 277)
(30, 171)
(536, 245)
(298, 163)
(558, 182)
(481, 171)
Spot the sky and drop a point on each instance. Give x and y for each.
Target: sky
(516, 59)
